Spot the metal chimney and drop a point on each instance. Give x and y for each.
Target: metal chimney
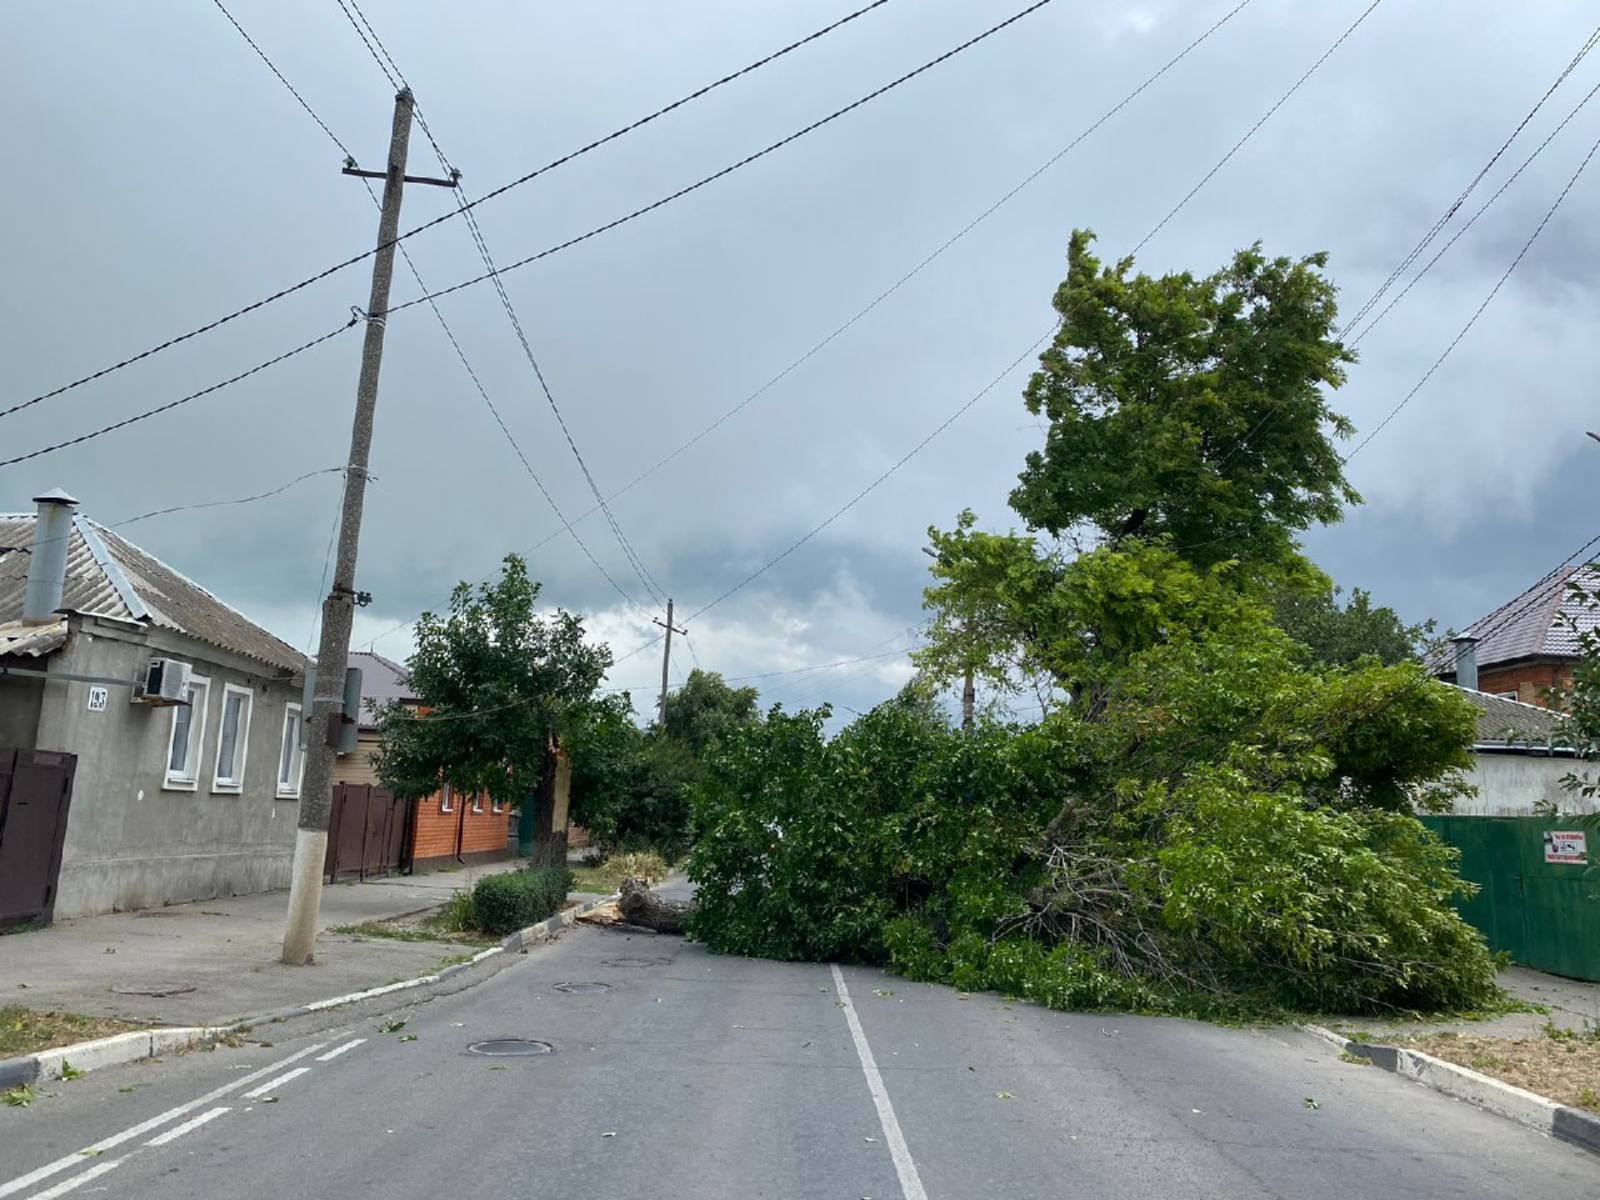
(47, 568)
(1466, 662)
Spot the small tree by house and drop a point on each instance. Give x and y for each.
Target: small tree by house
(498, 686)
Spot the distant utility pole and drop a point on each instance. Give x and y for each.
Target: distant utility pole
(666, 659)
(338, 610)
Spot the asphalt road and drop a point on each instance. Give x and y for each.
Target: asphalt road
(695, 1076)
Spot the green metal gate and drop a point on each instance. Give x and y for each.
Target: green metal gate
(1538, 895)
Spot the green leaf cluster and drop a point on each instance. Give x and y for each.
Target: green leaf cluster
(513, 900)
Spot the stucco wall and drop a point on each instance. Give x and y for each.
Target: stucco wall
(1509, 785)
(132, 841)
(19, 706)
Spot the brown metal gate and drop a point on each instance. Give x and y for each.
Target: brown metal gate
(35, 791)
(366, 832)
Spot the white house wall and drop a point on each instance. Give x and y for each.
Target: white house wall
(131, 842)
(1510, 785)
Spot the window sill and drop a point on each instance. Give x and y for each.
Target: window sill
(287, 796)
(227, 789)
(180, 785)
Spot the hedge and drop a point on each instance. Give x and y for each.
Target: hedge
(516, 899)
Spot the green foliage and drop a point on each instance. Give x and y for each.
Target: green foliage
(1337, 636)
(1580, 699)
(497, 683)
(514, 900)
(705, 710)
(1189, 408)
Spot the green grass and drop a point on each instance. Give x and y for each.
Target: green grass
(403, 933)
(25, 1031)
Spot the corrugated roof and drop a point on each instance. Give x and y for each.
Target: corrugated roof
(1536, 622)
(108, 576)
(31, 639)
(1503, 722)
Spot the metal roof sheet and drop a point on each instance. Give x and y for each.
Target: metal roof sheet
(1541, 620)
(1503, 722)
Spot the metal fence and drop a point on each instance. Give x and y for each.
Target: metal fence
(1538, 893)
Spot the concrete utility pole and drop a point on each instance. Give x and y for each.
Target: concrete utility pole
(969, 696)
(666, 660)
(338, 610)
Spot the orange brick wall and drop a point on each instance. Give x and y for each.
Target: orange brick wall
(1529, 680)
(436, 829)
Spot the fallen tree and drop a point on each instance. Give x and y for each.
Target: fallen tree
(641, 906)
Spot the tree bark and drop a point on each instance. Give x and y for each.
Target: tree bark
(640, 906)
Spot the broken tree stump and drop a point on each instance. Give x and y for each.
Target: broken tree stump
(640, 906)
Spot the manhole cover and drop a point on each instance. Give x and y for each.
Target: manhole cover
(582, 987)
(511, 1047)
(637, 962)
(169, 988)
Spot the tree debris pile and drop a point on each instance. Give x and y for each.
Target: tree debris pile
(1210, 816)
(641, 906)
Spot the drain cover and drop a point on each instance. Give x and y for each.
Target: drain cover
(637, 962)
(158, 988)
(582, 987)
(511, 1047)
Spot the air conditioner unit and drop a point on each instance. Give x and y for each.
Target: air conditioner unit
(166, 681)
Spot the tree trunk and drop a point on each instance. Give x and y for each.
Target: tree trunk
(550, 810)
(640, 906)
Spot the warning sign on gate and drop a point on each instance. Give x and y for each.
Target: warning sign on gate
(1565, 847)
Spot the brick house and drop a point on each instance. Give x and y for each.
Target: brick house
(1526, 647)
(443, 828)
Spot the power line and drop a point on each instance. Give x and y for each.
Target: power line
(171, 404)
(1262, 120)
(732, 167)
(461, 354)
(398, 77)
(864, 492)
(365, 254)
(277, 491)
(1473, 319)
(1405, 263)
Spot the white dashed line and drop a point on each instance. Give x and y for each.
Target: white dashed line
(257, 1092)
(67, 1185)
(338, 1050)
(144, 1127)
(910, 1182)
(177, 1132)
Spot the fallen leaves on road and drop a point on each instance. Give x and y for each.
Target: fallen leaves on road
(391, 1027)
(609, 1133)
(1309, 1102)
(1004, 1096)
(407, 1037)
(19, 1097)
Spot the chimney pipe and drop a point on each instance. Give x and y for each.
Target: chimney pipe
(1466, 662)
(47, 568)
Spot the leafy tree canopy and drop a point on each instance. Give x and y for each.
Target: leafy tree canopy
(705, 709)
(496, 682)
(1338, 635)
(1190, 408)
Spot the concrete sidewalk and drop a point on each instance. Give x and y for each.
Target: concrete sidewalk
(1573, 1004)
(214, 961)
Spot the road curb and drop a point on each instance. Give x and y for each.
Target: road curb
(152, 1043)
(1540, 1113)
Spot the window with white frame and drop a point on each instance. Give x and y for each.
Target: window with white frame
(446, 800)
(477, 802)
(233, 738)
(498, 806)
(291, 758)
(186, 734)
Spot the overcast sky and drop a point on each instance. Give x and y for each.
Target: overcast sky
(159, 175)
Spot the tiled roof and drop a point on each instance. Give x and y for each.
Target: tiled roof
(108, 576)
(1536, 622)
(1503, 722)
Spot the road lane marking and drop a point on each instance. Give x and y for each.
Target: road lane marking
(338, 1050)
(67, 1185)
(173, 1134)
(144, 1127)
(257, 1092)
(910, 1182)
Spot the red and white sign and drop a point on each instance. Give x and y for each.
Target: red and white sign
(1565, 846)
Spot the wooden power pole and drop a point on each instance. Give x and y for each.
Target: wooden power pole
(666, 661)
(338, 609)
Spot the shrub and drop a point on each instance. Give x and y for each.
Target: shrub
(640, 864)
(458, 914)
(513, 900)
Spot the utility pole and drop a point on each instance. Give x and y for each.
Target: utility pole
(338, 609)
(666, 660)
(969, 698)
